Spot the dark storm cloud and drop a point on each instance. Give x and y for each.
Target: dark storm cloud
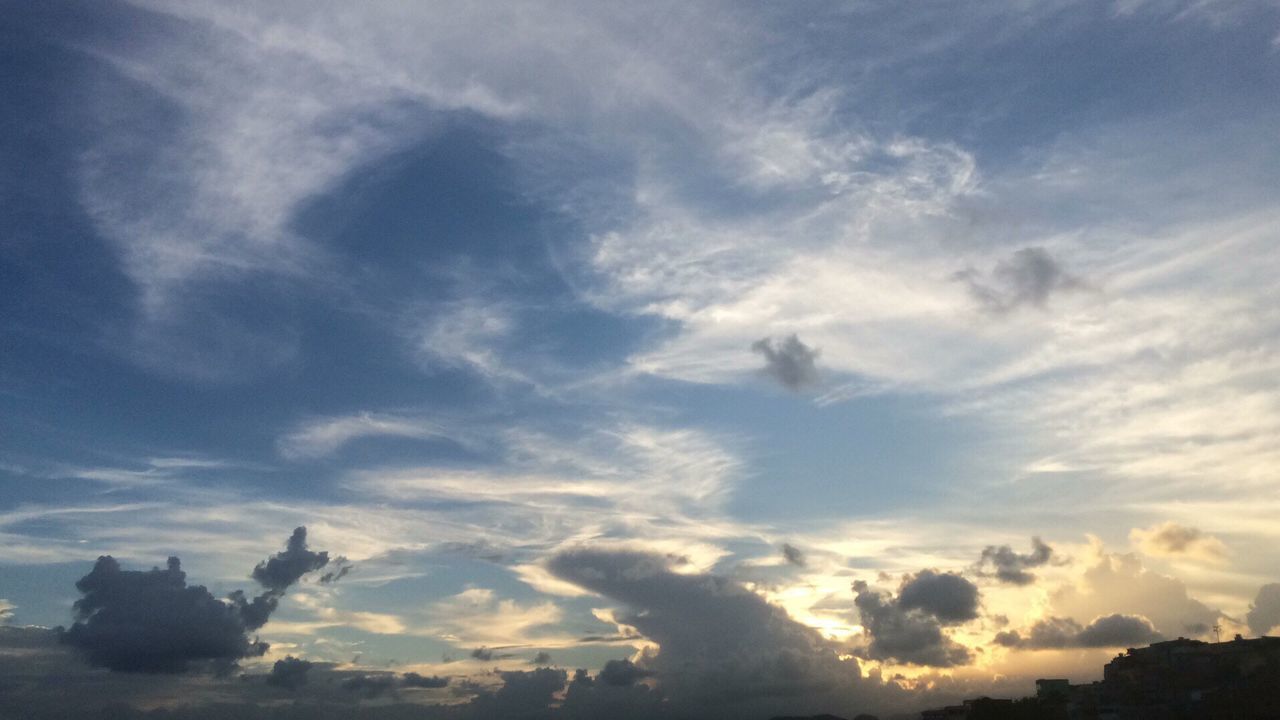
(283, 569)
(793, 554)
(1027, 277)
(790, 362)
(946, 596)
(621, 673)
(151, 621)
(1264, 613)
(289, 673)
(1010, 567)
(1116, 630)
(906, 635)
(414, 680)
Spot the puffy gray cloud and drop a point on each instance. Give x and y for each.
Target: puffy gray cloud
(1118, 630)
(1264, 613)
(371, 685)
(285, 568)
(906, 635)
(793, 554)
(722, 647)
(790, 361)
(1115, 630)
(1029, 276)
(289, 673)
(151, 621)
(1010, 567)
(621, 673)
(524, 694)
(542, 658)
(414, 680)
(946, 596)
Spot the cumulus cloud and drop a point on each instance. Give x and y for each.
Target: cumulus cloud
(371, 685)
(720, 645)
(1027, 277)
(523, 694)
(621, 673)
(414, 680)
(1115, 630)
(789, 361)
(793, 554)
(914, 634)
(1118, 583)
(1010, 567)
(151, 621)
(542, 658)
(285, 568)
(1264, 613)
(946, 596)
(289, 673)
(1169, 539)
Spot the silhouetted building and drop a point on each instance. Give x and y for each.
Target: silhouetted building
(1175, 680)
(1053, 690)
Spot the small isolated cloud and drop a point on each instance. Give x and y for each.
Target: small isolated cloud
(1169, 539)
(793, 554)
(289, 673)
(1055, 633)
(283, 569)
(1028, 277)
(909, 628)
(6, 611)
(542, 658)
(151, 621)
(1010, 567)
(489, 654)
(789, 361)
(1264, 613)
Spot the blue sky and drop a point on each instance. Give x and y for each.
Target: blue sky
(488, 296)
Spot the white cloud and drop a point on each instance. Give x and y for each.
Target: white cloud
(325, 436)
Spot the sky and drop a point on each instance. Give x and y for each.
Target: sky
(654, 360)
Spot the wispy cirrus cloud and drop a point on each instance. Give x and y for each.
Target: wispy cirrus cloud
(324, 436)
